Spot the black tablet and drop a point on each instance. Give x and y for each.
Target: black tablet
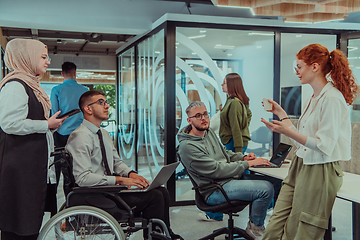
(69, 113)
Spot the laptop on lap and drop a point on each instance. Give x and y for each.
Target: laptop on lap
(160, 179)
(278, 157)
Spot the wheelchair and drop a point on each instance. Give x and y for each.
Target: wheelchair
(95, 212)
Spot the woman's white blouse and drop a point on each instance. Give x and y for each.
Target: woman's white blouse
(13, 113)
(326, 123)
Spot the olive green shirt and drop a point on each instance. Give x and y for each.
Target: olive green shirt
(234, 123)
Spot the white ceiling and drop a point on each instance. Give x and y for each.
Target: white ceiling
(132, 17)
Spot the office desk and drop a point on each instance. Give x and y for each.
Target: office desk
(348, 191)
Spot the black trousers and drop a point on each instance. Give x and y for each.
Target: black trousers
(13, 236)
(151, 204)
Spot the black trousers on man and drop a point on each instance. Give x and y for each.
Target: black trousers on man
(151, 204)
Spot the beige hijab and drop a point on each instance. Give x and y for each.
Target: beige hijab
(22, 57)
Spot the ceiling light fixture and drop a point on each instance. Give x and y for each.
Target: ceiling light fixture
(202, 31)
(260, 34)
(220, 46)
(228, 6)
(350, 48)
(197, 36)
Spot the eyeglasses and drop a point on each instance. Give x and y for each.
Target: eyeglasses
(102, 102)
(47, 58)
(297, 69)
(199, 116)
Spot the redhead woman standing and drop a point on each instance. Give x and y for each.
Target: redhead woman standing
(235, 116)
(322, 138)
(25, 141)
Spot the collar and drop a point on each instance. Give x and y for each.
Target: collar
(325, 88)
(92, 127)
(70, 80)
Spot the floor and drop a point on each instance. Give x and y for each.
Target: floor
(185, 220)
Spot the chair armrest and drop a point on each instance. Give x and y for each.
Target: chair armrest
(57, 151)
(217, 186)
(99, 189)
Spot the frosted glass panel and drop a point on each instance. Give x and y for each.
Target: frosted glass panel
(150, 88)
(126, 92)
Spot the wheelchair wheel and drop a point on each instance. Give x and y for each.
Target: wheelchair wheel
(82, 222)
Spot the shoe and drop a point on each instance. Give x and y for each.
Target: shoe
(175, 236)
(204, 217)
(256, 232)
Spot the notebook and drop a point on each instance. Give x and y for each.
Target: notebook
(160, 179)
(278, 157)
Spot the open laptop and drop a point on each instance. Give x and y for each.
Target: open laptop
(278, 157)
(160, 179)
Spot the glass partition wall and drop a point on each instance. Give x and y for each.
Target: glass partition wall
(203, 58)
(162, 72)
(353, 53)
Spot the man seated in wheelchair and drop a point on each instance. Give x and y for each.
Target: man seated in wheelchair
(207, 161)
(97, 163)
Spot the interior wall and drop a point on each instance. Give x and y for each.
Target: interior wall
(3, 40)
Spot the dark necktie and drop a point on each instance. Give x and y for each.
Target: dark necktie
(103, 154)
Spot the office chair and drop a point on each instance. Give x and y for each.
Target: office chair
(230, 207)
(261, 135)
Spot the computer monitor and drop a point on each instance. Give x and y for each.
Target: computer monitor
(291, 100)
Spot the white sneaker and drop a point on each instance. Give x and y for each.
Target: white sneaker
(204, 217)
(256, 232)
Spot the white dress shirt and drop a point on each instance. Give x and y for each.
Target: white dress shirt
(326, 123)
(13, 113)
(84, 146)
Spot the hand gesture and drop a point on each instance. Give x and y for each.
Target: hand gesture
(276, 109)
(53, 122)
(276, 126)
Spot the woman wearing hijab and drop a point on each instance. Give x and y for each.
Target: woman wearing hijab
(25, 141)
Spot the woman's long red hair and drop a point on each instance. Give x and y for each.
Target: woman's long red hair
(335, 63)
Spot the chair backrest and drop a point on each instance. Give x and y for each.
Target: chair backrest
(262, 135)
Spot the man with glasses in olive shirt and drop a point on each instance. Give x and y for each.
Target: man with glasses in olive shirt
(92, 168)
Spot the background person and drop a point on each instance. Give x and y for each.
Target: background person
(235, 116)
(65, 97)
(25, 142)
(207, 161)
(322, 138)
(89, 170)
(235, 119)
